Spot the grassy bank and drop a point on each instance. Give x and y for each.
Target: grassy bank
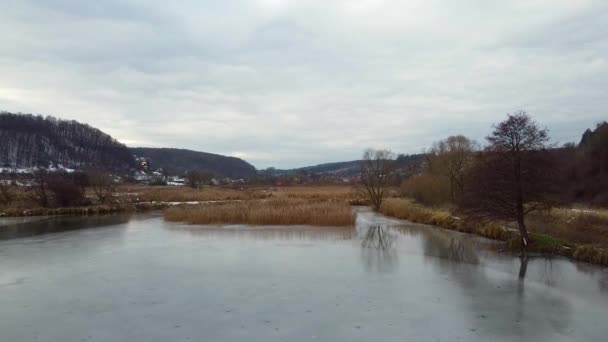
(267, 212)
(580, 235)
(88, 210)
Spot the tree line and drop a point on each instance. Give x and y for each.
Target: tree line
(64, 189)
(516, 173)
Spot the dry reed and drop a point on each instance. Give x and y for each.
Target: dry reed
(186, 194)
(581, 226)
(213, 193)
(267, 212)
(408, 210)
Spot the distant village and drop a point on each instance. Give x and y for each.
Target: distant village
(146, 174)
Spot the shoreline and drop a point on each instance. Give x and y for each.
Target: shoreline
(543, 244)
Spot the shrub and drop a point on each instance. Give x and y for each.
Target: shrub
(428, 189)
(67, 190)
(591, 254)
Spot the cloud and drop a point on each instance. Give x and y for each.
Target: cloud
(290, 83)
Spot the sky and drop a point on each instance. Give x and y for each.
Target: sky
(289, 83)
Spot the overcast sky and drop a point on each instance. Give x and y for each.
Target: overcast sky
(290, 83)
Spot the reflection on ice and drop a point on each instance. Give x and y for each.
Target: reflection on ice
(126, 279)
(378, 249)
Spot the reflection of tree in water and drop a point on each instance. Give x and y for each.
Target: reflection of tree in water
(244, 232)
(446, 246)
(523, 268)
(519, 314)
(378, 250)
(61, 224)
(597, 272)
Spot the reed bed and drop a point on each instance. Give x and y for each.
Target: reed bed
(346, 193)
(186, 194)
(267, 212)
(217, 193)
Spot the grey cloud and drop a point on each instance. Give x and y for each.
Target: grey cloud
(290, 83)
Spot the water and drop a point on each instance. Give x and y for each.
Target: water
(121, 278)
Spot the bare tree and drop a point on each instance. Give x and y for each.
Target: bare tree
(376, 170)
(67, 189)
(452, 158)
(6, 193)
(512, 177)
(196, 179)
(40, 187)
(102, 184)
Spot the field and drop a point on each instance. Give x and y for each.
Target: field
(185, 194)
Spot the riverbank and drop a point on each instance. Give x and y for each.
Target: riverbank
(85, 210)
(563, 232)
(143, 198)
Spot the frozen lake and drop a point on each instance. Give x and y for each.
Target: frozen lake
(138, 278)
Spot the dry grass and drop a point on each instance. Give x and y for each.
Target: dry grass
(580, 234)
(574, 225)
(213, 193)
(407, 209)
(186, 194)
(346, 193)
(267, 212)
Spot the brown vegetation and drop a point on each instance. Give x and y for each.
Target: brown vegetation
(267, 212)
(582, 235)
(212, 193)
(102, 184)
(574, 225)
(442, 179)
(408, 210)
(427, 189)
(187, 194)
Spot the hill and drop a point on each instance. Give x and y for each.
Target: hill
(344, 169)
(180, 161)
(35, 141)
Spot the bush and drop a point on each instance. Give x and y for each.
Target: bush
(591, 254)
(67, 190)
(7, 194)
(427, 189)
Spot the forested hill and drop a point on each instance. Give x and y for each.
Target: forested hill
(344, 169)
(179, 161)
(35, 141)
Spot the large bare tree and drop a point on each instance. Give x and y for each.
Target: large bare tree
(512, 177)
(376, 169)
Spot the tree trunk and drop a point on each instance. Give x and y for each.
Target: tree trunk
(519, 205)
(523, 267)
(523, 233)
